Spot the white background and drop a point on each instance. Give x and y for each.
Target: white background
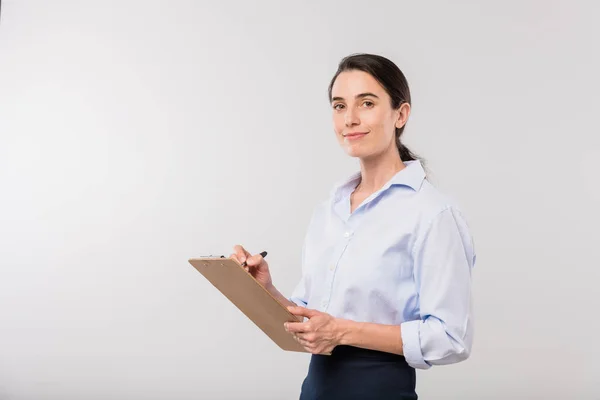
(137, 134)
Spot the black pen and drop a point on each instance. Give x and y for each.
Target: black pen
(264, 254)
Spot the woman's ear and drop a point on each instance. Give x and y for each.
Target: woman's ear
(403, 114)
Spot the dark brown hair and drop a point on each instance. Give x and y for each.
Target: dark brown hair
(390, 77)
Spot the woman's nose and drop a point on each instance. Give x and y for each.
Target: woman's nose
(351, 118)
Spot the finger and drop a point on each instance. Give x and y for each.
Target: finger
(303, 342)
(235, 257)
(241, 253)
(254, 260)
(308, 337)
(296, 327)
(303, 311)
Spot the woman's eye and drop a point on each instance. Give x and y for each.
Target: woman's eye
(368, 103)
(338, 106)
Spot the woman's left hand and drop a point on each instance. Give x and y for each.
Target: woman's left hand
(320, 334)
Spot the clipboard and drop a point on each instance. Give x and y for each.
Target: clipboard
(250, 297)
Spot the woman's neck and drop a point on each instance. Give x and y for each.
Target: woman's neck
(377, 171)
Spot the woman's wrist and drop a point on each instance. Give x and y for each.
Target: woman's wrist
(280, 297)
(346, 331)
(271, 289)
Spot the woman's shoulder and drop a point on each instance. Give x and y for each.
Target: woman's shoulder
(431, 201)
(433, 198)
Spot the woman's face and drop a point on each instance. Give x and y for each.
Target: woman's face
(363, 118)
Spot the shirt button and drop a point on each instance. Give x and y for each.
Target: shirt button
(347, 234)
(331, 267)
(324, 303)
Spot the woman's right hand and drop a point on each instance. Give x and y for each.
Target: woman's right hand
(256, 266)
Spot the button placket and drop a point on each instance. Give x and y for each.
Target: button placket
(333, 267)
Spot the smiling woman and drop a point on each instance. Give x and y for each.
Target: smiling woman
(387, 260)
(356, 74)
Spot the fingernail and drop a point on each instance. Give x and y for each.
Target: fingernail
(285, 325)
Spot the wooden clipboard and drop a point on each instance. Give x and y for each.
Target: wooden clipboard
(250, 297)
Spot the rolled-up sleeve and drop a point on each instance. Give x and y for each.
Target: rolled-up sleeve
(443, 256)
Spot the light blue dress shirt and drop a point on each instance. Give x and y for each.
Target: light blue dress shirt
(403, 257)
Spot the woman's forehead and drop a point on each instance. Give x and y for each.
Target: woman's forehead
(351, 83)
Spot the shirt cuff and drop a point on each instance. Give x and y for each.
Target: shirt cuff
(411, 345)
(297, 301)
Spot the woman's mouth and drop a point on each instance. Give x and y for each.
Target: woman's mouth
(354, 135)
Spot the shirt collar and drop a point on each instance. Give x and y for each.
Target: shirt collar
(411, 176)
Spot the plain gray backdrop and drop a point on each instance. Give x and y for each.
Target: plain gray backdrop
(137, 134)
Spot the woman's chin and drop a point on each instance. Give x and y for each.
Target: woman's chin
(357, 151)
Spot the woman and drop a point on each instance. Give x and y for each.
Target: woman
(387, 260)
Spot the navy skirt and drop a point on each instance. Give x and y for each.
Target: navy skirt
(355, 373)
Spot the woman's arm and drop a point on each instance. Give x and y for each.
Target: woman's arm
(370, 336)
(281, 298)
(444, 256)
(322, 333)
